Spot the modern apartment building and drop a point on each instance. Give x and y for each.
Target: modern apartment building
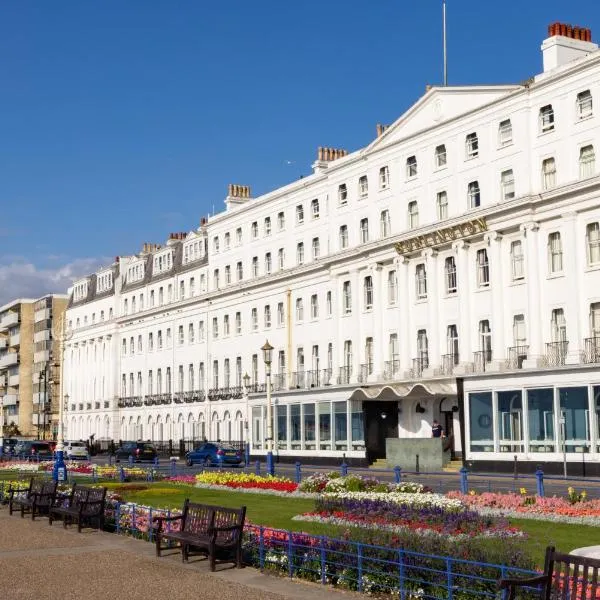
(27, 352)
(449, 270)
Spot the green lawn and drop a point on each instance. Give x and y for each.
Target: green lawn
(277, 511)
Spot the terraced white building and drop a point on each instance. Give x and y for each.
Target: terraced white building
(449, 270)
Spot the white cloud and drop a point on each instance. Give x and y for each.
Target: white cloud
(20, 278)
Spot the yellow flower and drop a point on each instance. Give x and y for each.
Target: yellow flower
(584, 494)
(523, 491)
(472, 492)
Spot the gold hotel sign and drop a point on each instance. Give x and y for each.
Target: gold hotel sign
(442, 236)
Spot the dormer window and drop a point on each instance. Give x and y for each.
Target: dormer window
(584, 105)
(363, 186)
(314, 208)
(472, 145)
(342, 194)
(80, 291)
(440, 156)
(546, 118)
(194, 250)
(163, 262)
(411, 167)
(135, 273)
(384, 178)
(104, 282)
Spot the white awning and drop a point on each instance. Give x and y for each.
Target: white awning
(404, 390)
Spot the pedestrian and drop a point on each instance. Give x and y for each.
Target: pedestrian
(436, 430)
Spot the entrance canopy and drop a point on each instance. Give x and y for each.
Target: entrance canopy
(398, 391)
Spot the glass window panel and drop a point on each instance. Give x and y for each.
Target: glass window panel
(481, 422)
(281, 426)
(540, 412)
(309, 424)
(295, 425)
(510, 421)
(357, 425)
(256, 427)
(325, 425)
(574, 407)
(340, 425)
(596, 392)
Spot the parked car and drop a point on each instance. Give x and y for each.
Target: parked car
(37, 450)
(141, 451)
(9, 445)
(211, 453)
(76, 451)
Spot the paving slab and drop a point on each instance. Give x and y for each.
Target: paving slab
(39, 562)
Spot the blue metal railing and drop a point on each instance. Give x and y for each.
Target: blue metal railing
(367, 568)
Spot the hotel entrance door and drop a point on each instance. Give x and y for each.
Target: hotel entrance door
(381, 421)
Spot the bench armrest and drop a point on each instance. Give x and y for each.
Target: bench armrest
(167, 518)
(12, 491)
(529, 581)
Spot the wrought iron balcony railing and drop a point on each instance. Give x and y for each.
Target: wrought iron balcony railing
(516, 356)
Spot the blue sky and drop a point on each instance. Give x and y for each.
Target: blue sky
(121, 121)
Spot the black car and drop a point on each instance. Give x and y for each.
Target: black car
(141, 451)
(35, 450)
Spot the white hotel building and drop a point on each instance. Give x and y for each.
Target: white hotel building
(449, 270)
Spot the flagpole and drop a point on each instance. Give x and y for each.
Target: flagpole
(444, 36)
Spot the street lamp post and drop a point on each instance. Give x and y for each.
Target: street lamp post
(59, 472)
(246, 383)
(1, 423)
(267, 350)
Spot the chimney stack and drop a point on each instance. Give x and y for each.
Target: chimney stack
(237, 195)
(566, 43)
(380, 129)
(148, 248)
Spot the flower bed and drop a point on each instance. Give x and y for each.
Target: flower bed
(334, 482)
(408, 512)
(247, 481)
(533, 507)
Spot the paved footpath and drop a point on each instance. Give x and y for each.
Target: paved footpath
(39, 562)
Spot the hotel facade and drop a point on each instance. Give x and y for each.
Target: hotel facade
(449, 270)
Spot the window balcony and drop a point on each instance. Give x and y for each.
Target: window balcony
(225, 393)
(3, 342)
(9, 359)
(10, 400)
(42, 315)
(299, 380)
(128, 402)
(344, 375)
(41, 356)
(516, 356)
(481, 361)
(591, 352)
(556, 353)
(419, 364)
(391, 370)
(447, 363)
(279, 381)
(364, 371)
(13, 380)
(9, 319)
(257, 388)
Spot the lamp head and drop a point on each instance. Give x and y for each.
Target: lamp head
(267, 353)
(246, 380)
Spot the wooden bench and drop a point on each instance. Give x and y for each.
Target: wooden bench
(214, 531)
(565, 577)
(37, 502)
(22, 492)
(85, 504)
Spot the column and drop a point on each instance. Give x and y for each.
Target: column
(572, 270)
(433, 330)
(358, 343)
(461, 248)
(379, 301)
(338, 349)
(533, 321)
(404, 306)
(493, 240)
